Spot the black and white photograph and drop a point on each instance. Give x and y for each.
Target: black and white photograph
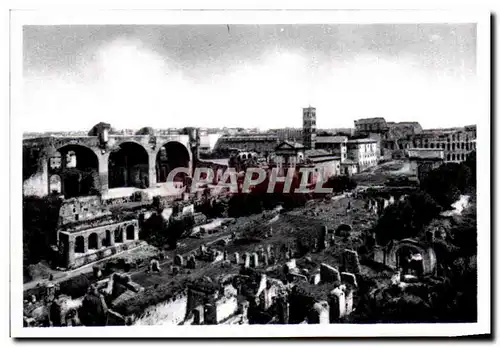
(250, 173)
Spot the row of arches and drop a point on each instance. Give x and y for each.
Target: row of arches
(74, 169)
(93, 239)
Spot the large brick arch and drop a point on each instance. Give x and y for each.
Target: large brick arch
(128, 165)
(181, 153)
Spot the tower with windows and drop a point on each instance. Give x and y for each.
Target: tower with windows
(309, 127)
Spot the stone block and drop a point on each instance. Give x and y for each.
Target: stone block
(236, 258)
(191, 263)
(320, 313)
(179, 260)
(378, 254)
(329, 274)
(337, 305)
(254, 260)
(351, 261)
(315, 279)
(349, 278)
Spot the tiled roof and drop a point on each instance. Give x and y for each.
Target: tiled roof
(292, 144)
(370, 120)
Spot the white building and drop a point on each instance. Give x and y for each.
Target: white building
(363, 152)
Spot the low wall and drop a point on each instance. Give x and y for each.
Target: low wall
(101, 254)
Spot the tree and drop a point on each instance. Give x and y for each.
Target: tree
(447, 182)
(406, 219)
(340, 183)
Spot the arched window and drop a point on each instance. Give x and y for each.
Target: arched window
(453, 156)
(79, 244)
(130, 232)
(93, 241)
(432, 145)
(106, 242)
(55, 184)
(128, 166)
(118, 235)
(448, 157)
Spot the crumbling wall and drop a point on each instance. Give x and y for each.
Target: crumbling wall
(226, 307)
(81, 209)
(35, 171)
(170, 312)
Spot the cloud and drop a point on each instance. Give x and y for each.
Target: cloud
(131, 86)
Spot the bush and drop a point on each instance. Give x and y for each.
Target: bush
(447, 182)
(406, 219)
(40, 219)
(76, 286)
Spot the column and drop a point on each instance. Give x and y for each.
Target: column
(69, 246)
(103, 172)
(111, 238)
(136, 232)
(124, 235)
(152, 169)
(85, 243)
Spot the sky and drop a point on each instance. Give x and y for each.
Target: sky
(247, 75)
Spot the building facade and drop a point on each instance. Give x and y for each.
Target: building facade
(456, 143)
(289, 154)
(288, 134)
(423, 160)
(368, 125)
(263, 144)
(363, 152)
(336, 145)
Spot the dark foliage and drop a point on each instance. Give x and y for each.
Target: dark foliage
(447, 182)
(340, 184)
(40, 219)
(75, 287)
(93, 311)
(405, 219)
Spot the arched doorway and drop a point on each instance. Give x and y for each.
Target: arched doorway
(410, 260)
(93, 241)
(128, 166)
(55, 186)
(78, 169)
(106, 242)
(118, 235)
(170, 156)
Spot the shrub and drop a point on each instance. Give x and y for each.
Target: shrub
(76, 286)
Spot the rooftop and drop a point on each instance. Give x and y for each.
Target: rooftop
(363, 141)
(291, 144)
(319, 153)
(331, 139)
(370, 120)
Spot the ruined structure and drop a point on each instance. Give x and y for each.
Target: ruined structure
(456, 143)
(424, 160)
(98, 163)
(408, 255)
(87, 232)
